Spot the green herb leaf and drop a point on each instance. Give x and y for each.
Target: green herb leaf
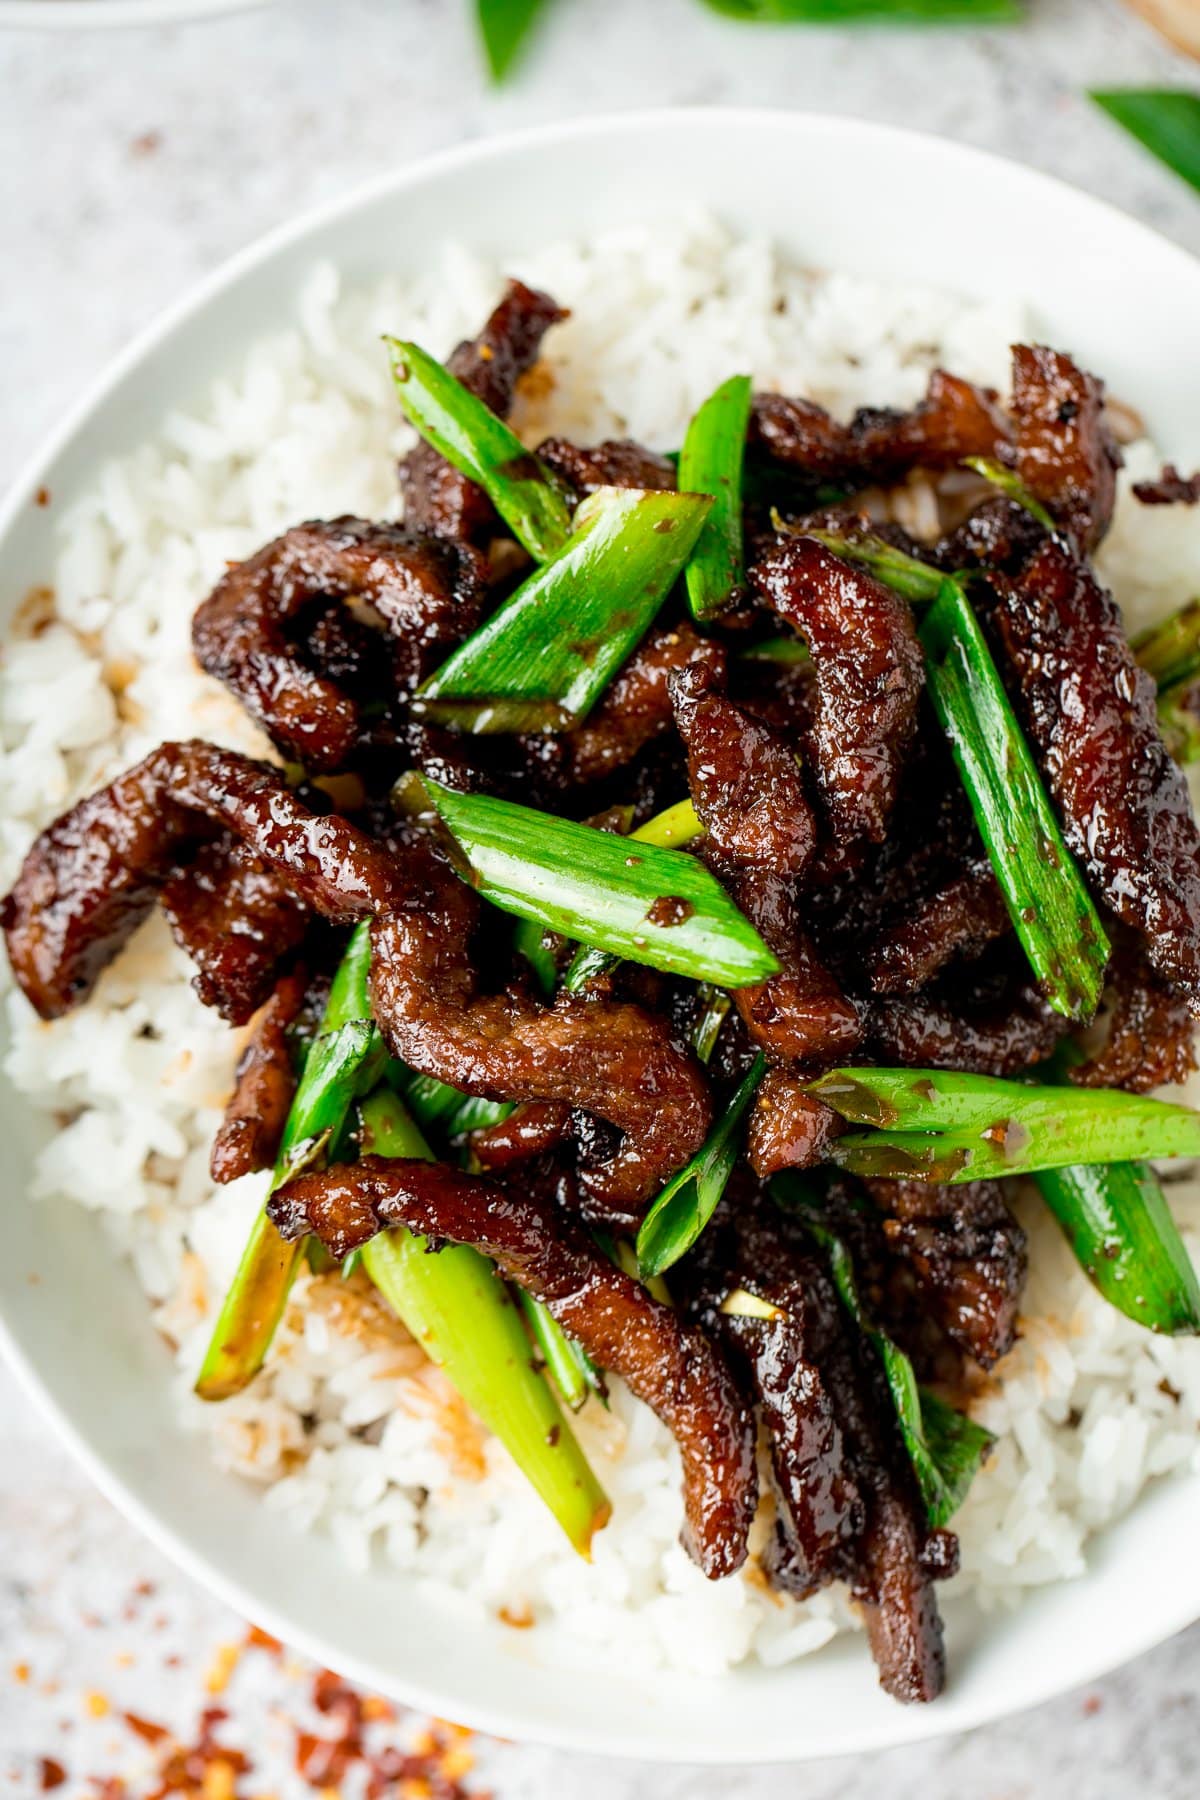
(469, 435)
(544, 657)
(1170, 650)
(711, 463)
(1116, 1219)
(1165, 120)
(906, 575)
(505, 27)
(1052, 912)
(944, 1446)
(649, 905)
(672, 829)
(688, 1201)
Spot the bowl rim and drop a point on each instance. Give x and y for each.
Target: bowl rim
(1177, 1608)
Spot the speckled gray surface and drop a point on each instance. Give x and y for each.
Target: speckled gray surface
(131, 164)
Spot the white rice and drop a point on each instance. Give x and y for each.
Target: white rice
(349, 1431)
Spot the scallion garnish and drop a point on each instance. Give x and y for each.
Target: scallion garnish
(871, 12)
(544, 657)
(671, 829)
(1010, 483)
(1165, 120)
(711, 463)
(688, 1201)
(940, 1125)
(633, 899)
(944, 1446)
(468, 434)
(1170, 650)
(504, 26)
(456, 1308)
(1116, 1219)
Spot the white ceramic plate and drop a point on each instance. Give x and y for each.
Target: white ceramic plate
(100, 15)
(839, 194)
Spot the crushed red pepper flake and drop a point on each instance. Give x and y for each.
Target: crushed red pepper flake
(51, 1774)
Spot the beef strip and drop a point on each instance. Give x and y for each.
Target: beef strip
(788, 1129)
(999, 533)
(954, 420)
(437, 497)
(869, 677)
(428, 594)
(958, 920)
(1151, 1035)
(1091, 713)
(1065, 453)
(636, 708)
(613, 1058)
(618, 462)
(237, 918)
(929, 1031)
(530, 1131)
(264, 1085)
(674, 1367)
(745, 780)
(1169, 489)
(91, 877)
(967, 1255)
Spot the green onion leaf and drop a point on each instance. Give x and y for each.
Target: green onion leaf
(940, 1125)
(784, 650)
(347, 1052)
(906, 575)
(672, 829)
(568, 1364)
(635, 900)
(458, 1310)
(1165, 120)
(544, 657)
(1170, 650)
(944, 1447)
(1116, 1219)
(469, 435)
(504, 26)
(688, 1201)
(1010, 483)
(711, 463)
(1052, 912)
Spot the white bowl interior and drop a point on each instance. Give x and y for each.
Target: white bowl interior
(835, 193)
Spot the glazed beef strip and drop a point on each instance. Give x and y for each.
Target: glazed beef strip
(788, 1129)
(929, 1030)
(612, 1058)
(237, 919)
(1151, 1034)
(675, 1368)
(437, 498)
(1090, 711)
(1169, 489)
(968, 913)
(428, 593)
(91, 877)
(869, 677)
(264, 1085)
(618, 462)
(1065, 454)
(954, 420)
(636, 708)
(967, 1255)
(819, 1509)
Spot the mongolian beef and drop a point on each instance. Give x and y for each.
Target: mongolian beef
(692, 904)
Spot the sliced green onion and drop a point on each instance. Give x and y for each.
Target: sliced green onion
(346, 1047)
(1170, 650)
(688, 1201)
(544, 657)
(870, 12)
(1179, 720)
(505, 26)
(1010, 483)
(783, 650)
(906, 575)
(1052, 912)
(568, 1364)
(939, 1125)
(672, 829)
(715, 1006)
(740, 1303)
(944, 1446)
(1116, 1219)
(461, 1314)
(529, 941)
(1165, 120)
(635, 900)
(711, 463)
(469, 435)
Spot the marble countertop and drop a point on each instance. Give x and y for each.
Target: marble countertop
(133, 163)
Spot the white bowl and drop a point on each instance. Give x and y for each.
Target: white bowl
(836, 193)
(102, 15)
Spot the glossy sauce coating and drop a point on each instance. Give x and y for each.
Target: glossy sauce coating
(264, 1085)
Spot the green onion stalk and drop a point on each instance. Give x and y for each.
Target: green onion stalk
(711, 463)
(544, 657)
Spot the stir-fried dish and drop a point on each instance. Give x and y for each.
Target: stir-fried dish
(687, 905)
